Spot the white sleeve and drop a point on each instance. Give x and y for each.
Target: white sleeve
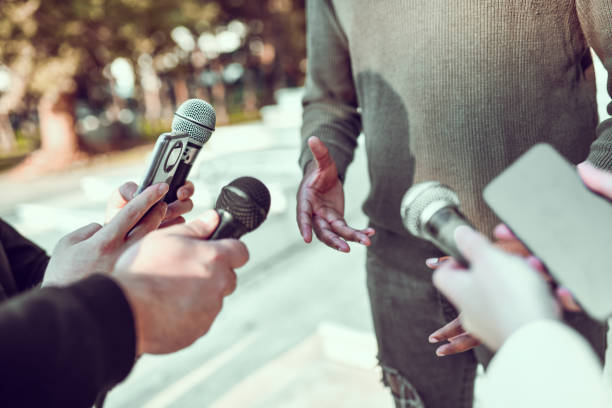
(544, 364)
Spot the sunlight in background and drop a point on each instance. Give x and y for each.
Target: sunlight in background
(5, 78)
(122, 71)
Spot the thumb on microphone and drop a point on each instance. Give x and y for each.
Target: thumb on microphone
(201, 228)
(472, 244)
(451, 278)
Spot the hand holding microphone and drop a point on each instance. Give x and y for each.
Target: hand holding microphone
(175, 280)
(205, 252)
(430, 211)
(497, 294)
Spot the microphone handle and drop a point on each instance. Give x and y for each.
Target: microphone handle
(180, 176)
(229, 227)
(441, 230)
(182, 171)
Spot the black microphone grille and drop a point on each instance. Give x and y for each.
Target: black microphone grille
(247, 199)
(197, 118)
(421, 201)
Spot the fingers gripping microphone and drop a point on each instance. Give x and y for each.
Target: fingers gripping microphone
(243, 206)
(430, 211)
(197, 118)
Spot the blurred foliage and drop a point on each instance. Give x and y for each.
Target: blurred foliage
(151, 129)
(58, 49)
(25, 143)
(73, 38)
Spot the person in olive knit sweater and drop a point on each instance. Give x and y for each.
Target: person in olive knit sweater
(446, 91)
(64, 344)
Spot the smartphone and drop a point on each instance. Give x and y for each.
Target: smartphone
(167, 156)
(545, 203)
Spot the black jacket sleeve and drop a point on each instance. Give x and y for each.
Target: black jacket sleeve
(27, 261)
(62, 346)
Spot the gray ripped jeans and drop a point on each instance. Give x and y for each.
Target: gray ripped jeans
(406, 309)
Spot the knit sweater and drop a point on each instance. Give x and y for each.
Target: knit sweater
(453, 91)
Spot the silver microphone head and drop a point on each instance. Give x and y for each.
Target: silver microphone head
(422, 201)
(196, 118)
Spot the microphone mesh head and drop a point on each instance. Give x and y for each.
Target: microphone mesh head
(422, 197)
(196, 118)
(247, 199)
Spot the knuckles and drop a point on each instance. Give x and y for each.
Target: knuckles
(107, 245)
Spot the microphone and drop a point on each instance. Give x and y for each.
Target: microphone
(197, 118)
(243, 206)
(430, 211)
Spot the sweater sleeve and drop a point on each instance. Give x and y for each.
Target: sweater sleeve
(63, 346)
(545, 364)
(330, 101)
(28, 261)
(596, 20)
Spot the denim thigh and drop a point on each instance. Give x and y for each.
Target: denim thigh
(406, 309)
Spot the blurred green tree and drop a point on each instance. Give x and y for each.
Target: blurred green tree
(281, 26)
(49, 46)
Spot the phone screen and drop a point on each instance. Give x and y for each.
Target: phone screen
(545, 203)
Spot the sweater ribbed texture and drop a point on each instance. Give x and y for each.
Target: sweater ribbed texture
(453, 91)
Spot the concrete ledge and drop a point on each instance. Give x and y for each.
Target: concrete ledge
(333, 368)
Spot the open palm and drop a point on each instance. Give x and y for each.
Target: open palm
(320, 203)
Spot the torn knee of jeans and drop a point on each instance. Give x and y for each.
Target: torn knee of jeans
(405, 394)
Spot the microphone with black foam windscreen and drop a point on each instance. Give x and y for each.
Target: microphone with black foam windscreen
(243, 205)
(197, 118)
(430, 211)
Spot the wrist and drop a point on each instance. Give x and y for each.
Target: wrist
(311, 167)
(136, 292)
(523, 324)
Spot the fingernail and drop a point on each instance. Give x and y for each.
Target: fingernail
(440, 353)
(433, 340)
(432, 261)
(164, 208)
(585, 165)
(163, 188)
